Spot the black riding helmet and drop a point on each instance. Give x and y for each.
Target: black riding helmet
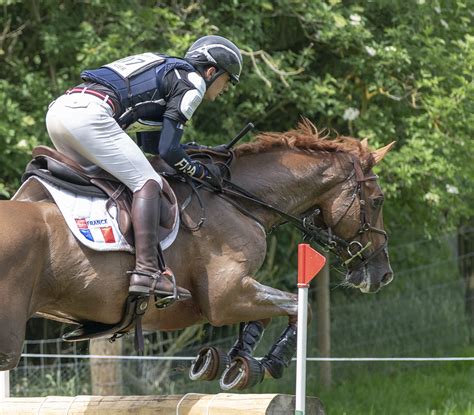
(216, 51)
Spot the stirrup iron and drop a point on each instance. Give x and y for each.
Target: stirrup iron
(163, 302)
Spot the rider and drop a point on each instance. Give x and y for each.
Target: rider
(153, 95)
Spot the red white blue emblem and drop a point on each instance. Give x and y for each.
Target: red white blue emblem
(95, 231)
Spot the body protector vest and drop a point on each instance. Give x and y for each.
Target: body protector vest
(137, 82)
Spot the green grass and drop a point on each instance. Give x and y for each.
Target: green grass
(436, 388)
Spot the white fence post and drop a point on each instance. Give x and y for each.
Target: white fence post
(310, 262)
(5, 384)
(300, 401)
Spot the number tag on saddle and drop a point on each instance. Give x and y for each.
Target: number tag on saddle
(133, 65)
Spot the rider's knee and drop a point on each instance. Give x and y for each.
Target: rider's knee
(151, 188)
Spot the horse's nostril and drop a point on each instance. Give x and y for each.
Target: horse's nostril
(387, 278)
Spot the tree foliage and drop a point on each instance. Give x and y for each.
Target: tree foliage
(386, 70)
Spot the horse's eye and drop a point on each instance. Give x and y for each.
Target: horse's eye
(377, 202)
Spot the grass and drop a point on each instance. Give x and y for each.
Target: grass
(436, 388)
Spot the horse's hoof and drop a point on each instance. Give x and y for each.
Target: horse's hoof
(209, 364)
(242, 373)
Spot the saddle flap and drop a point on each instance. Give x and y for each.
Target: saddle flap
(169, 209)
(61, 170)
(89, 172)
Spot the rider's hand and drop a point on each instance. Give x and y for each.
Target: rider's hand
(212, 175)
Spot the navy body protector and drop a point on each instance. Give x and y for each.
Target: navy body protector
(137, 80)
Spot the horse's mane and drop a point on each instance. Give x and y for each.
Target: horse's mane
(304, 137)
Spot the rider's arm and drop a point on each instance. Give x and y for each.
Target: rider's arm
(184, 93)
(171, 151)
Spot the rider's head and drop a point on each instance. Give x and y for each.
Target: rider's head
(218, 60)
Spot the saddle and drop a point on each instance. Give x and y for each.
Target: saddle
(61, 170)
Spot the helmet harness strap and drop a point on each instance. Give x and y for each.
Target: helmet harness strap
(201, 70)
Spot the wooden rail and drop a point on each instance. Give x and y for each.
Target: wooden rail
(189, 404)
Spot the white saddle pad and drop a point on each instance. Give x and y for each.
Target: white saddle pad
(87, 217)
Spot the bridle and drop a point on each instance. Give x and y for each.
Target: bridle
(354, 248)
(307, 224)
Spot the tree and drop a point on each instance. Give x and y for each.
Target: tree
(382, 70)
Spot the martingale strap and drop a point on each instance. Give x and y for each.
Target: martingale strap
(231, 191)
(305, 224)
(324, 237)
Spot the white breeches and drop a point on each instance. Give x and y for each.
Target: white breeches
(82, 127)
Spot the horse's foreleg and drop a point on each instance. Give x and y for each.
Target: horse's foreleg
(280, 355)
(259, 301)
(251, 301)
(250, 335)
(255, 302)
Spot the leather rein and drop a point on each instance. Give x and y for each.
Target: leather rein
(324, 237)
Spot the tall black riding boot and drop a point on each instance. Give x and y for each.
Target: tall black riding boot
(150, 276)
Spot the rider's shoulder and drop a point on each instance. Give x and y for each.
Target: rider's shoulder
(190, 79)
(197, 81)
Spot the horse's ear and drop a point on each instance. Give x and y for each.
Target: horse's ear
(380, 153)
(365, 143)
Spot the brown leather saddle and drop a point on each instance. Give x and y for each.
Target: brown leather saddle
(94, 181)
(61, 170)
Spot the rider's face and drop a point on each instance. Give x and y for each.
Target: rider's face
(220, 85)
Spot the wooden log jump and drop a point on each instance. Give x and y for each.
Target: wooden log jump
(189, 404)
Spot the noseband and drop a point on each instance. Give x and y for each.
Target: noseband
(324, 237)
(339, 246)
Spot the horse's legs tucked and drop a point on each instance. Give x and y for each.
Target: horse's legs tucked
(260, 302)
(252, 301)
(280, 355)
(249, 337)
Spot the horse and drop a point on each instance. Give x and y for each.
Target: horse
(300, 173)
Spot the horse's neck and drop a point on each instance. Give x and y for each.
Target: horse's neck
(293, 181)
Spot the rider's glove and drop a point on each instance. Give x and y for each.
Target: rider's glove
(212, 175)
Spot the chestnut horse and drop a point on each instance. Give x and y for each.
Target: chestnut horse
(45, 271)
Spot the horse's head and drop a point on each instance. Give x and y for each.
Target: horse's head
(353, 212)
(302, 170)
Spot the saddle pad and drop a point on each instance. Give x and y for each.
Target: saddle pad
(87, 217)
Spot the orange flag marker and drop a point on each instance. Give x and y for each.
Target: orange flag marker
(310, 262)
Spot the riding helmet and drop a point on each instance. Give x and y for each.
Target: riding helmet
(216, 51)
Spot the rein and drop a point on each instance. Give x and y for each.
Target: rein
(324, 237)
(311, 232)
